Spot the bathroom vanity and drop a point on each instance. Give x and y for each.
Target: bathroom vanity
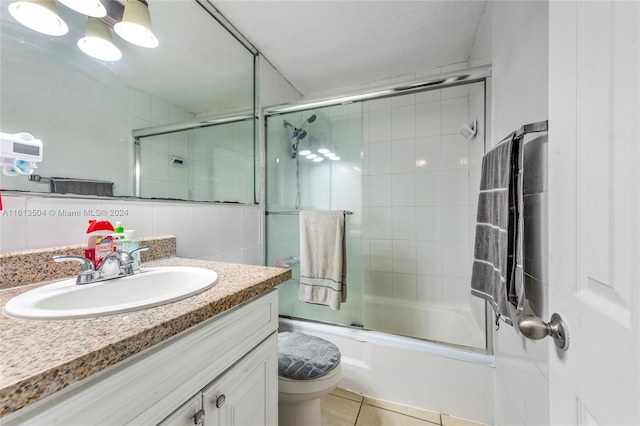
(212, 356)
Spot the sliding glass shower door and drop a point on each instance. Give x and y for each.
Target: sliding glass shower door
(314, 162)
(408, 166)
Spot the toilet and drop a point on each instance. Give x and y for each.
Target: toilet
(308, 368)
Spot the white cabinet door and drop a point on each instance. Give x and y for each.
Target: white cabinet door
(247, 394)
(594, 215)
(188, 414)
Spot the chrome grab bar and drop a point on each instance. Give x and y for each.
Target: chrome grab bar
(534, 328)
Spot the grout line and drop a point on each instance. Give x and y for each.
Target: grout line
(358, 415)
(405, 414)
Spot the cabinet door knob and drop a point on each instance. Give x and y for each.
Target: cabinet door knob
(197, 418)
(220, 400)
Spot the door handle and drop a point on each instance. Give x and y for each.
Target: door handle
(534, 328)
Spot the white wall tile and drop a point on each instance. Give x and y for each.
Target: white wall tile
(454, 115)
(455, 260)
(205, 230)
(250, 226)
(13, 224)
(455, 223)
(428, 119)
(403, 122)
(231, 232)
(404, 256)
(380, 224)
(455, 152)
(404, 223)
(429, 223)
(174, 219)
(380, 125)
(429, 258)
(403, 189)
(381, 284)
(455, 292)
(400, 101)
(455, 92)
(380, 255)
(428, 153)
(403, 156)
(135, 216)
(428, 191)
(404, 287)
(428, 96)
(233, 256)
(251, 256)
(65, 224)
(429, 288)
(454, 187)
(381, 195)
(379, 155)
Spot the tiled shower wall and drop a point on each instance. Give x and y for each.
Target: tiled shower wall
(158, 178)
(420, 194)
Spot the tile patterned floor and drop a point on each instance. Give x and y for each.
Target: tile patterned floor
(345, 408)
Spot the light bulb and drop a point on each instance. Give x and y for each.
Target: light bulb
(135, 26)
(324, 151)
(317, 159)
(39, 15)
(97, 42)
(305, 152)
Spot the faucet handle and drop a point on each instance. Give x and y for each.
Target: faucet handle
(141, 248)
(87, 265)
(87, 270)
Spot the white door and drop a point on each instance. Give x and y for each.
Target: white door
(594, 214)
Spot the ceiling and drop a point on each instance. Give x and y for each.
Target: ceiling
(325, 45)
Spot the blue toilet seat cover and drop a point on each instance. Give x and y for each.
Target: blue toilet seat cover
(304, 357)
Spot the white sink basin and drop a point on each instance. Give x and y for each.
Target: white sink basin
(147, 288)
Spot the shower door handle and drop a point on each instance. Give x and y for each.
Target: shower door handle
(534, 328)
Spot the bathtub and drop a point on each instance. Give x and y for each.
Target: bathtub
(424, 321)
(426, 375)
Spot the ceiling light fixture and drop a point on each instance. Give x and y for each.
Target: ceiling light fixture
(98, 43)
(39, 15)
(135, 26)
(93, 8)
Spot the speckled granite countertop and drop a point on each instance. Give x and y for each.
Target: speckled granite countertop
(39, 358)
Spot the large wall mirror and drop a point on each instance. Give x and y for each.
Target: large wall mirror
(86, 110)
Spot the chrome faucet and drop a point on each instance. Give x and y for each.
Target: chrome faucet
(115, 265)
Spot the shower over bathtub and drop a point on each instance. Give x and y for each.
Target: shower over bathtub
(409, 332)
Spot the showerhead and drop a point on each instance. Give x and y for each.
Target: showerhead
(469, 131)
(311, 119)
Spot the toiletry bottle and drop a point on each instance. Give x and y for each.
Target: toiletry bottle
(99, 243)
(118, 236)
(123, 240)
(130, 244)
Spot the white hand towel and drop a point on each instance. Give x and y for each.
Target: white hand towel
(323, 263)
